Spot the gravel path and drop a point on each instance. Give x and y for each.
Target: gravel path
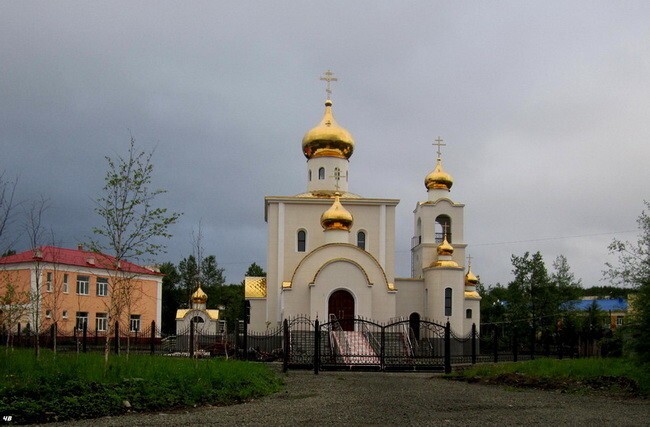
(374, 398)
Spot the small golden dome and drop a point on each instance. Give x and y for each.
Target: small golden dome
(470, 278)
(336, 217)
(438, 178)
(445, 248)
(199, 297)
(328, 139)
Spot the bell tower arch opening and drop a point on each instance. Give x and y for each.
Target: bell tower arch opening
(442, 227)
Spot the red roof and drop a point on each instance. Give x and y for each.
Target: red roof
(76, 257)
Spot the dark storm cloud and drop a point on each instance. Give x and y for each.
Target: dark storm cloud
(543, 106)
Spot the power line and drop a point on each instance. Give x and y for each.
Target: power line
(555, 238)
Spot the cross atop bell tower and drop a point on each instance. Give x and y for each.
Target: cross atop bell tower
(329, 78)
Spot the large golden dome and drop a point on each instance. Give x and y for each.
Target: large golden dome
(328, 139)
(199, 297)
(438, 178)
(336, 217)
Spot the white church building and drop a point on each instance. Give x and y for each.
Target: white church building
(331, 253)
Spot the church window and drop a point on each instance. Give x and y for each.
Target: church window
(321, 173)
(468, 313)
(310, 174)
(443, 226)
(447, 301)
(361, 240)
(302, 240)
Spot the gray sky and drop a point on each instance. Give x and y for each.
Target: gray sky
(544, 107)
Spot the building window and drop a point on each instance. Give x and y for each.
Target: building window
(102, 286)
(310, 174)
(135, 323)
(468, 313)
(447, 301)
(48, 314)
(48, 282)
(361, 240)
(65, 314)
(83, 283)
(619, 320)
(65, 284)
(302, 240)
(101, 322)
(82, 319)
(321, 173)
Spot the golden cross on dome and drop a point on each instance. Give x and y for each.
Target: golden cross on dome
(445, 228)
(337, 178)
(469, 260)
(439, 144)
(329, 78)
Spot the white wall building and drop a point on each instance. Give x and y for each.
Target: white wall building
(332, 252)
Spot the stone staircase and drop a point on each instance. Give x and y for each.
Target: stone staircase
(354, 349)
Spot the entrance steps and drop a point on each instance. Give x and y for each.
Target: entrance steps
(354, 348)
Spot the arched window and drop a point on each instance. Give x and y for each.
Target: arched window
(443, 225)
(310, 174)
(468, 313)
(447, 301)
(321, 173)
(361, 240)
(302, 240)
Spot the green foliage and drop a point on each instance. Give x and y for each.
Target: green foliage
(611, 292)
(255, 270)
(61, 387)
(634, 269)
(567, 369)
(171, 297)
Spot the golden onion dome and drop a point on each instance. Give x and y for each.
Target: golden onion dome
(336, 217)
(438, 178)
(328, 139)
(199, 296)
(470, 278)
(445, 248)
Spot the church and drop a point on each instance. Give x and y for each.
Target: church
(331, 252)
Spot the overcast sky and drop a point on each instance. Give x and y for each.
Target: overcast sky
(544, 106)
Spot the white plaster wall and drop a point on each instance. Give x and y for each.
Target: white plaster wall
(329, 183)
(410, 297)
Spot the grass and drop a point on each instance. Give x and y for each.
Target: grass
(608, 374)
(75, 386)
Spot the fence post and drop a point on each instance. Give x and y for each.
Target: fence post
(84, 338)
(153, 337)
(285, 350)
(18, 338)
(117, 338)
(515, 344)
(245, 339)
(495, 343)
(191, 338)
(316, 346)
(473, 343)
(382, 350)
(447, 348)
(53, 334)
(533, 337)
(236, 338)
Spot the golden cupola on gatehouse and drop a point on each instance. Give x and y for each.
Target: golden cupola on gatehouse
(470, 278)
(328, 139)
(199, 297)
(445, 252)
(336, 217)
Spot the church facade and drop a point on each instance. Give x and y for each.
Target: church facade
(331, 253)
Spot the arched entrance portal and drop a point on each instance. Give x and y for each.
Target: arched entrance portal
(341, 304)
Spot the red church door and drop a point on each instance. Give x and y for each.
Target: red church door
(341, 304)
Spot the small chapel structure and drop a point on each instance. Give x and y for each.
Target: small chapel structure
(331, 252)
(205, 320)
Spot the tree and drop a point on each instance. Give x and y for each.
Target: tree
(255, 270)
(568, 288)
(633, 269)
(35, 231)
(7, 205)
(172, 297)
(132, 226)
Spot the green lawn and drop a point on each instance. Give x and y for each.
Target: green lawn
(610, 374)
(74, 386)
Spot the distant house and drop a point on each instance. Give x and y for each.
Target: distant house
(616, 308)
(76, 286)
